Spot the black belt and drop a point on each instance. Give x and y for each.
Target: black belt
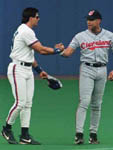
(99, 64)
(26, 64)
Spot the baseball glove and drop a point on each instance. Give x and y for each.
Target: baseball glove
(53, 83)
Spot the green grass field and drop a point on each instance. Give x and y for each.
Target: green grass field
(53, 117)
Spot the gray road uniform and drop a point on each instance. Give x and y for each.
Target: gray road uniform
(93, 74)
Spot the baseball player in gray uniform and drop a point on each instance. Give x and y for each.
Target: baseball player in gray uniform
(21, 77)
(94, 44)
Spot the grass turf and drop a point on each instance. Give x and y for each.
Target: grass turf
(53, 117)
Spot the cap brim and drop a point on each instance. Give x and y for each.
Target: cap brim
(90, 18)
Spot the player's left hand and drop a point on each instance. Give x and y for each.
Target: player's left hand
(60, 46)
(43, 75)
(110, 77)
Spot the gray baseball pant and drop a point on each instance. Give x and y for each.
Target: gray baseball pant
(91, 89)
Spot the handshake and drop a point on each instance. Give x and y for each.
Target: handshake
(58, 48)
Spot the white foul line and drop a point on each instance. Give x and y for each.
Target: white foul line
(107, 148)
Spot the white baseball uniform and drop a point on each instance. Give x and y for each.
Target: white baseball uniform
(20, 75)
(93, 74)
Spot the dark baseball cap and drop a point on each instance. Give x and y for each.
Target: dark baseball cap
(94, 14)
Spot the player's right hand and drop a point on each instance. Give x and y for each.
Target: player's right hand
(110, 77)
(60, 46)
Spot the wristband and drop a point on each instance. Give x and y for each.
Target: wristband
(38, 69)
(56, 50)
(62, 53)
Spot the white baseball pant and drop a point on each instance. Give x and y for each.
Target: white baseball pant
(22, 82)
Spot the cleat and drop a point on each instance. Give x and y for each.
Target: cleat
(93, 139)
(28, 140)
(8, 135)
(79, 138)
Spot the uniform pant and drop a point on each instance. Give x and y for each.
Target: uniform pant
(22, 82)
(91, 89)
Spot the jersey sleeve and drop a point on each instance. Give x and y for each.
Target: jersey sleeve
(29, 38)
(74, 43)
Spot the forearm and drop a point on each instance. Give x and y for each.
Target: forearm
(35, 64)
(45, 50)
(67, 52)
(37, 67)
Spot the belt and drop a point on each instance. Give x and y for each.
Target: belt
(26, 64)
(99, 64)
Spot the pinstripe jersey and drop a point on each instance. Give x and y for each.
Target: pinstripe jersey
(94, 48)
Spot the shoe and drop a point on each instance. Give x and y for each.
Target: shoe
(28, 140)
(8, 135)
(93, 139)
(79, 138)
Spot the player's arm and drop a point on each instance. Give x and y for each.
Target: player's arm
(31, 40)
(35, 64)
(38, 47)
(71, 48)
(67, 52)
(39, 70)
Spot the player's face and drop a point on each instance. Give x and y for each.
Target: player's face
(35, 20)
(93, 25)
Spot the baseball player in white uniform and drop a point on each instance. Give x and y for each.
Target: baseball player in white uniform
(94, 44)
(21, 77)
